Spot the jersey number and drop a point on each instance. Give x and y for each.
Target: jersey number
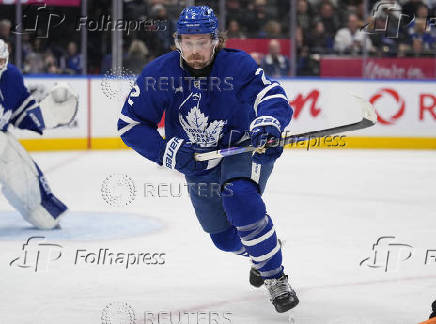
(135, 93)
(264, 80)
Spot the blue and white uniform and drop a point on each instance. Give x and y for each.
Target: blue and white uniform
(17, 106)
(23, 183)
(213, 112)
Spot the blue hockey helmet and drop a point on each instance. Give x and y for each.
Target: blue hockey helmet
(198, 20)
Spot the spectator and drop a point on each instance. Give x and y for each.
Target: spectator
(167, 28)
(257, 57)
(275, 64)
(137, 57)
(350, 40)
(329, 18)
(319, 41)
(255, 18)
(234, 30)
(422, 11)
(273, 29)
(304, 17)
(233, 10)
(33, 64)
(410, 8)
(5, 34)
(5, 30)
(73, 61)
(50, 65)
(422, 41)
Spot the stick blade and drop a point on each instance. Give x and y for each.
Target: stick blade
(368, 110)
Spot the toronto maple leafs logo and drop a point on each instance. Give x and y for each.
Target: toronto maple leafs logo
(4, 117)
(197, 125)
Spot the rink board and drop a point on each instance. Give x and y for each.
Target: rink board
(406, 111)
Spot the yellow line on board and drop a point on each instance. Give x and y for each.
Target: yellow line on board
(54, 144)
(105, 143)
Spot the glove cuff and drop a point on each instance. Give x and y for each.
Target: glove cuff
(265, 121)
(170, 153)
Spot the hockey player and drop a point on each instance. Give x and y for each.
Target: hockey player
(211, 96)
(22, 181)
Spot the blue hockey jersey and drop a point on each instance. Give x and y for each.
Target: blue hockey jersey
(17, 106)
(212, 112)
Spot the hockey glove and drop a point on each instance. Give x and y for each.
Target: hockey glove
(179, 155)
(262, 129)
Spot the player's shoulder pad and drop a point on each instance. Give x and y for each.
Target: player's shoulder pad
(163, 65)
(240, 62)
(13, 72)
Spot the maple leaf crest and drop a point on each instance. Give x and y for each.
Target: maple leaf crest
(198, 128)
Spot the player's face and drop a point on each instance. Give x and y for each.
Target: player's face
(2, 63)
(197, 50)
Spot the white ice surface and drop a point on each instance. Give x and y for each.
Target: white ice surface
(329, 207)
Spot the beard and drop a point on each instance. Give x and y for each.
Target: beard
(197, 61)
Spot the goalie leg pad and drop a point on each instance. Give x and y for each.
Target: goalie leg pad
(25, 187)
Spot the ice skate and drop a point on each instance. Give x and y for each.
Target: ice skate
(256, 279)
(281, 294)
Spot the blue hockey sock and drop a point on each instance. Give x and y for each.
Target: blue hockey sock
(246, 210)
(229, 241)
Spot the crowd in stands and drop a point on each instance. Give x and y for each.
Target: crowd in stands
(392, 28)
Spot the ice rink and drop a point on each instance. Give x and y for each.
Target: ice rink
(360, 245)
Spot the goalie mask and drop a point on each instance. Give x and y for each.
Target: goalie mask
(199, 20)
(4, 56)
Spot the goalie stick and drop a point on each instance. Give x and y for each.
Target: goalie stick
(369, 118)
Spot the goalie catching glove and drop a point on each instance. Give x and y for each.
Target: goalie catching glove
(60, 107)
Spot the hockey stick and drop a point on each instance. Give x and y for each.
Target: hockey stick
(369, 118)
